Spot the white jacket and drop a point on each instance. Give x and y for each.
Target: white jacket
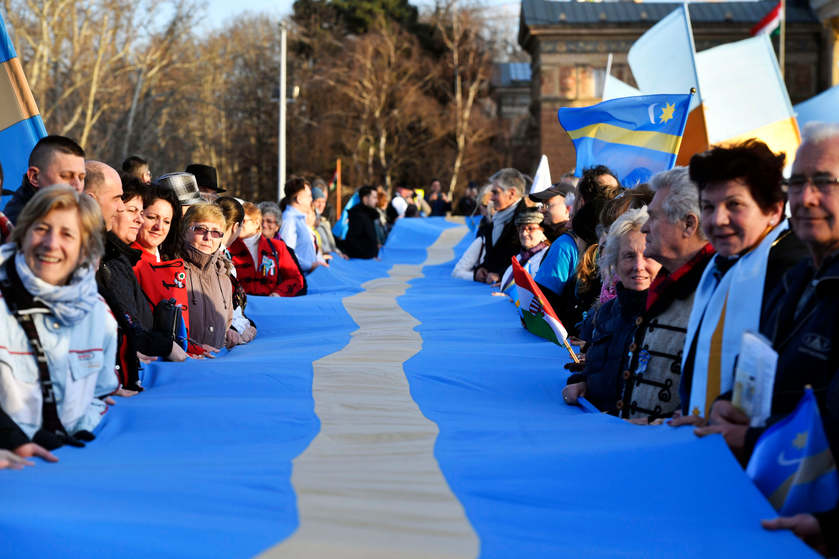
(465, 267)
(81, 360)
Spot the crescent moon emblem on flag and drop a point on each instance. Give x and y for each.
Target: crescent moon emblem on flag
(651, 111)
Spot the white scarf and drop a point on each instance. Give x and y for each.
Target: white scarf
(68, 303)
(742, 288)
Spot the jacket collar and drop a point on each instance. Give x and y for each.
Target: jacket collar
(198, 258)
(682, 282)
(115, 248)
(631, 301)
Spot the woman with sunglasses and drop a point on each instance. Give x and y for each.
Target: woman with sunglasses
(207, 276)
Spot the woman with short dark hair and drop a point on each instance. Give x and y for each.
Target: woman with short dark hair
(742, 205)
(139, 340)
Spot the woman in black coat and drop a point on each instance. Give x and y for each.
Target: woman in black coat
(615, 322)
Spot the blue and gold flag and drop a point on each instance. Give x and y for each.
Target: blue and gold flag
(792, 464)
(20, 122)
(634, 136)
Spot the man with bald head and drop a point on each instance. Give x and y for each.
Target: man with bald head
(102, 183)
(53, 160)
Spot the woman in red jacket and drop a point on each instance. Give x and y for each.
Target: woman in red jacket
(264, 266)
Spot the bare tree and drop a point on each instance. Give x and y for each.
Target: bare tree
(470, 68)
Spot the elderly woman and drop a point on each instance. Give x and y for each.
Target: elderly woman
(534, 246)
(742, 203)
(139, 341)
(58, 340)
(159, 235)
(614, 322)
(271, 219)
(207, 276)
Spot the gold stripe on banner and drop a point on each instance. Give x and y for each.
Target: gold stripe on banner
(658, 141)
(780, 136)
(368, 486)
(16, 101)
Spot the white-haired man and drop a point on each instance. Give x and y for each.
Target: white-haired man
(501, 238)
(650, 381)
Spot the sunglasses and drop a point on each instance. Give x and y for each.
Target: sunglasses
(203, 231)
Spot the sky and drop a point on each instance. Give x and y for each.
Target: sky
(220, 10)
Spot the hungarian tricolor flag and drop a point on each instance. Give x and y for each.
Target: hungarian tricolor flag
(771, 22)
(537, 315)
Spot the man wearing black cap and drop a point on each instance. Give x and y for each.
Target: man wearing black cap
(207, 179)
(555, 201)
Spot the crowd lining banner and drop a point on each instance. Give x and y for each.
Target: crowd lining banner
(203, 463)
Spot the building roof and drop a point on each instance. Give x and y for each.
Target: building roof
(511, 74)
(558, 13)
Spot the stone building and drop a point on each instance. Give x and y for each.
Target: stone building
(569, 43)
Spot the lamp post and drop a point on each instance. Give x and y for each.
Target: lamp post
(282, 139)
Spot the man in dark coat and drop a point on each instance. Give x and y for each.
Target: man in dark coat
(361, 240)
(53, 160)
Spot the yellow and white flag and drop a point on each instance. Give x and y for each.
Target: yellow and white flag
(745, 96)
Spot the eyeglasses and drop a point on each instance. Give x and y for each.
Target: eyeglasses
(203, 231)
(822, 182)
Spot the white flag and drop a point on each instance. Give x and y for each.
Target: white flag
(663, 59)
(542, 179)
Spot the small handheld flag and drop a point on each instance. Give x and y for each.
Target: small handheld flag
(792, 464)
(537, 315)
(635, 136)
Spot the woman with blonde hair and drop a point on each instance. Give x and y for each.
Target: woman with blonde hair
(614, 322)
(58, 340)
(210, 293)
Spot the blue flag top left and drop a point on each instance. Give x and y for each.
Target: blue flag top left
(634, 136)
(792, 464)
(20, 122)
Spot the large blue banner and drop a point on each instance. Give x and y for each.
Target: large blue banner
(202, 464)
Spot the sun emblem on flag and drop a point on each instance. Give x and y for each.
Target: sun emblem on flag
(667, 112)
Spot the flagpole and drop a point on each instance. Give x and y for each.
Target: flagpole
(338, 189)
(571, 351)
(783, 38)
(606, 76)
(281, 169)
(692, 49)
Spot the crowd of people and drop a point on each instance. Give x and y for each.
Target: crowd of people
(103, 272)
(657, 283)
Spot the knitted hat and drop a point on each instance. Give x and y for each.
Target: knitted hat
(317, 193)
(529, 215)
